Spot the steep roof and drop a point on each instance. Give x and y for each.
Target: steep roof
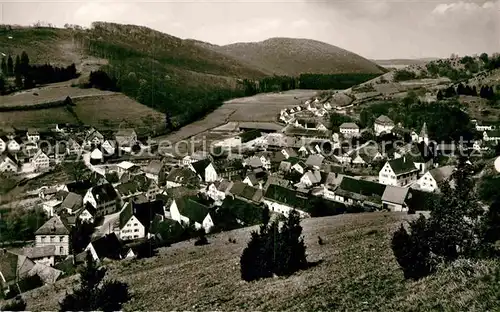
(362, 187)
(39, 252)
(384, 120)
(246, 191)
(144, 212)
(423, 132)
(315, 160)
(192, 209)
(154, 167)
(402, 165)
(108, 246)
(53, 227)
(72, 201)
(8, 265)
(125, 132)
(79, 187)
(286, 196)
(349, 125)
(180, 175)
(442, 173)
(199, 167)
(104, 193)
(395, 195)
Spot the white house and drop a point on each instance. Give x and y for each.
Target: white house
(40, 161)
(108, 147)
(218, 190)
(484, 127)
(103, 198)
(96, 156)
(50, 205)
(394, 198)
(205, 170)
(187, 210)
(491, 135)
(93, 137)
(33, 135)
(310, 178)
(349, 129)
(430, 180)
(3, 144)
(136, 219)
(383, 124)
(53, 233)
(14, 145)
(43, 255)
(86, 214)
(73, 147)
(283, 200)
(398, 172)
(8, 164)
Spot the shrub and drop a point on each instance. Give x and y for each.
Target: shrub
(202, 238)
(94, 293)
(275, 250)
(412, 250)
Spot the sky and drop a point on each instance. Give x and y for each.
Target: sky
(375, 29)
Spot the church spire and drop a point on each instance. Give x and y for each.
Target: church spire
(424, 136)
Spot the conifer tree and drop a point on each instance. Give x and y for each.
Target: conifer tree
(4, 67)
(94, 294)
(10, 67)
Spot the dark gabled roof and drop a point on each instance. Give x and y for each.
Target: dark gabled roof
(154, 167)
(384, 120)
(181, 175)
(286, 196)
(144, 212)
(395, 194)
(200, 166)
(250, 135)
(79, 187)
(108, 246)
(192, 209)
(39, 252)
(8, 265)
(402, 165)
(128, 188)
(362, 187)
(54, 226)
(104, 193)
(72, 201)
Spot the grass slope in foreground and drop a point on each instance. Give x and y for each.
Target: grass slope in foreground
(358, 272)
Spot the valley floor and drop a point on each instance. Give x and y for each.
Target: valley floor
(355, 271)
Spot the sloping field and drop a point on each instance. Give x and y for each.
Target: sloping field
(356, 271)
(261, 107)
(40, 118)
(51, 93)
(115, 110)
(102, 109)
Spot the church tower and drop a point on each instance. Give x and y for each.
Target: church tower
(424, 136)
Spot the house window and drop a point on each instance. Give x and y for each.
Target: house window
(52, 239)
(61, 250)
(42, 239)
(61, 239)
(136, 236)
(135, 224)
(136, 230)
